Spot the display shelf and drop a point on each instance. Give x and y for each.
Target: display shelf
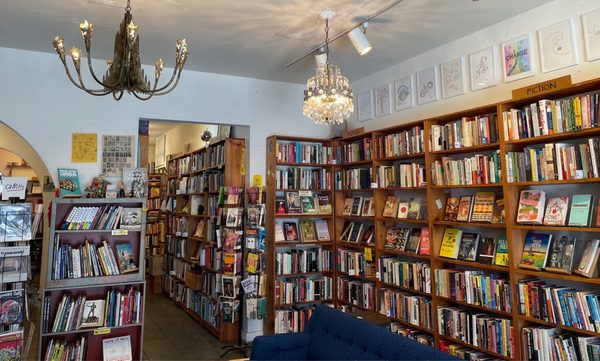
(402, 220)
(470, 224)
(536, 227)
(472, 305)
(553, 182)
(552, 138)
(490, 185)
(364, 278)
(473, 149)
(392, 189)
(558, 276)
(312, 243)
(302, 215)
(405, 289)
(357, 245)
(558, 325)
(282, 305)
(424, 257)
(408, 324)
(476, 348)
(477, 265)
(302, 274)
(399, 158)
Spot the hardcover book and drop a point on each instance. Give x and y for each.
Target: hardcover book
(368, 207)
(412, 246)
(280, 205)
(414, 210)
(347, 207)
(501, 258)
(403, 235)
(487, 250)
(556, 211)
(125, 257)
(560, 259)
(279, 235)
(498, 213)
(290, 232)
(391, 207)
(468, 246)
(14, 263)
(451, 211)
(357, 202)
(307, 202)
(68, 180)
(402, 210)
(579, 216)
(117, 349)
(356, 234)
(322, 230)
(483, 207)
(131, 218)
(424, 245)
(465, 206)
(535, 251)
(368, 235)
(588, 265)
(324, 204)
(308, 229)
(391, 237)
(93, 314)
(292, 201)
(450, 243)
(531, 206)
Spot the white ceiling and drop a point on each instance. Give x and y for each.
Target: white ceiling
(255, 38)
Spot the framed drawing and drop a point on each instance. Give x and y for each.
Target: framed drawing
(517, 58)
(364, 102)
(426, 86)
(403, 93)
(557, 46)
(383, 104)
(453, 82)
(159, 151)
(482, 68)
(591, 34)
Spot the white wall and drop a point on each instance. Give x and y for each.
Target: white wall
(179, 136)
(38, 102)
(528, 22)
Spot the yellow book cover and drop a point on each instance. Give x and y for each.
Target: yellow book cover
(450, 243)
(577, 111)
(252, 262)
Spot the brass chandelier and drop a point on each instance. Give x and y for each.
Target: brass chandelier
(328, 97)
(124, 72)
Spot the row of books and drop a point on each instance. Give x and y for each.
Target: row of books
(552, 117)
(153, 203)
(304, 153)
(58, 349)
(533, 209)
(554, 161)
(312, 230)
(406, 142)
(413, 275)
(356, 292)
(356, 178)
(294, 319)
(358, 206)
(298, 260)
(412, 333)
(355, 262)
(483, 207)
(105, 217)
(463, 352)
(209, 181)
(354, 151)
(416, 310)
(303, 202)
(468, 246)
(401, 175)
(303, 178)
(178, 247)
(394, 208)
(358, 232)
(303, 289)
(407, 240)
(478, 169)
(474, 287)
(464, 133)
(543, 343)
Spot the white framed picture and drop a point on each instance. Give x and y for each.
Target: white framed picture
(364, 102)
(427, 86)
(403, 93)
(453, 79)
(517, 58)
(159, 152)
(383, 102)
(557, 46)
(482, 68)
(591, 34)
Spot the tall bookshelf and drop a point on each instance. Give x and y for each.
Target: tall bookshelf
(154, 237)
(194, 258)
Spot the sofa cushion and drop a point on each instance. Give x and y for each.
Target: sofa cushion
(281, 347)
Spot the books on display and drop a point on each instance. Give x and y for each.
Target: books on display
(556, 211)
(535, 251)
(483, 207)
(402, 210)
(531, 206)
(450, 243)
(468, 246)
(465, 206)
(117, 349)
(290, 232)
(451, 211)
(125, 257)
(93, 314)
(501, 258)
(68, 180)
(347, 207)
(292, 201)
(308, 230)
(357, 203)
(579, 215)
(424, 244)
(391, 207)
(307, 202)
(324, 203)
(414, 210)
(368, 207)
(560, 258)
(322, 229)
(487, 250)
(412, 246)
(588, 265)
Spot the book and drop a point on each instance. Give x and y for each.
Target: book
(598, 214)
(125, 258)
(588, 265)
(346, 230)
(450, 243)
(135, 180)
(465, 205)
(531, 206)
(487, 250)
(230, 264)
(290, 232)
(483, 207)
(357, 202)
(579, 215)
(414, 210)
(307, 202)
(390, 207)
(368, 207)
(11, 345)
(356, 233)
(451, 210)
(279, 235)
(292, 201)
(347, 207)
(424, 244)
(11, 307)
(232, 218)
(556, 211)
(368, 235)
(117, 349)
(93, 314)
(560, 258)
(68, 180)
(199, 232)
(322, 228)
(501, 258)
(324, 203)
(131, 218)
(535, 251)
(402, 210)
(14, 263)
(280, 205)
(498, 212)
(412, 246)
(308, 230)
(467, 250)
(229, 286)
(396, 238)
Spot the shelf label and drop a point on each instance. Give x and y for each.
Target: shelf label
(102, 331)
(351, 272)
(564, 82)
(119, 232)
(368, 254)
(374, 185)
(14, 187)
(438, 203)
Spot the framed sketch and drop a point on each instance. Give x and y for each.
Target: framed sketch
(383, 104)
(482, 68)
(453, 82)
(403, 93)
(364, 102)
(591, 34)
(426, 86)
(517, 58)
(159, 151)
(557, 46)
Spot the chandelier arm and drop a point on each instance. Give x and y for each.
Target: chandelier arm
(82, 87)
(171, 89)
(89, 61)
(117, 98)
(170, 80)
(141, 98)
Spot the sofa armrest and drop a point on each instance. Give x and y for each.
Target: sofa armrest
(281, 347)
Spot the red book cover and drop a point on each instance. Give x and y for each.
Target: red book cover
(424, 247)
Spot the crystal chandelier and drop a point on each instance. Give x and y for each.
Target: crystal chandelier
(124, 72)
(328, 97)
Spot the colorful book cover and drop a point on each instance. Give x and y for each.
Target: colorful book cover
(324, 204)
(117, 349)
(556, 211)
(308, 202)
(391, 206)
(290, 232)
(68, 180)
(424, 245)
(483, 207)
(402, 210)
(292, 201)
(498, 212)
(131, 218)
(368, 235)
(125, 257)
(391, 237)
(561, 254)
(280, 205)
(368, 207)
(93, 314)
(464, 208)
(487, 250)
(531, 206)
(501, 258)
(11, 307)
(579, 216)
(450, 243)
(11, 346)
(414, 210)
(308, 229)
(357, 202)
(412, 246)
(347, 207)
(451, 211)
(135, 181)
(322, 229)
(535, 251)
(468, 246)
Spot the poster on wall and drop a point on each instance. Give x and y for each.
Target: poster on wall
(159, 152)
(517, 58)
(453, 83)
(117, 153)
(482, 68)
(84, 147)
(383, 104)
(557, 48)
(591, 34)
(403, 93)
(365, 106)
(426, 86)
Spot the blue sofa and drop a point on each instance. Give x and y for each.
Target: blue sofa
(334, 335)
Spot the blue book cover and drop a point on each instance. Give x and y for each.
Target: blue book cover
(68, 180)
(579, 215)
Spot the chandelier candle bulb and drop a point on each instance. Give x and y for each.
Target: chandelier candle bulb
(59, 46)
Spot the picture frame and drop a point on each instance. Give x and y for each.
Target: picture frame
(557, 46)
(364, 102)
(483, 68)
(517, 58)
(383, 104)
(403, 93)
(427, 85)
(159, 151)
(452, 75)
(591, 34)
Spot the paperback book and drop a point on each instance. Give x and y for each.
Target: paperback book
(556, 211)
(588, 265)
(117, 349)
(579, 216)
(308, 202)
(402, 210)
(468, 246)
(125, 257)
(450, 243)
(308, 229)
(531, 206)
(487, 250)
(483, 207)
(324, 204)
(412, 246)
(560, 259)
(322, 228)
(68, 180)
(131, 219)
(501, 258)
(293, 205)
(390, 207)
(451, 211)
(424, 245)
(465, 205)
(535, 251)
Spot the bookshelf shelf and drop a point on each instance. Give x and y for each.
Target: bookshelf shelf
(423, 257)
(400, 158)
(293, 244)
(554, 182)
(364, 278)
(534, 227)
(408, 324)
(357, 163)
(309, 165)
(557, 276)
(302, 274)
(406, 289)
(490, 185)
(302, 215)
(355, 245)
(471, 305)
(391, 189)
(302, 303)
(489, 267)
(88, 330)
(550, 324)
(551, 138)
(477, 348)
(470, 224)
(473, 149)
(357, 218)
(342, 302)
(402, 220)
(116, 231)
(298, 190)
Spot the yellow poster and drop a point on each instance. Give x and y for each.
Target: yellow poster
(257, 180)
(84, 148)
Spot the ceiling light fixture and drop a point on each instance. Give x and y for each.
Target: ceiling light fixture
(359, 39)
(328, 97)
(124, 72)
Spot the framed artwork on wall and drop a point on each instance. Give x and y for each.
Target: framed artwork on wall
(482, 68)
(517, 58)
(364, 102)
(403, 93)
(426, 86)
(383, 104)
(453, 82)
(159, 152)
(557, 46)
(591, 34)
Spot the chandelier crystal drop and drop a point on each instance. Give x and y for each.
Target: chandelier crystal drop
(124, 72)
(328, 96)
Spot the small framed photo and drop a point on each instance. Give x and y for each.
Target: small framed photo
(482, 68)
(453, 82)
(557, 46)
(403, 93)
(591, 34)
(517, 58)
(383, 104)
(364, 102)
(427, 86)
